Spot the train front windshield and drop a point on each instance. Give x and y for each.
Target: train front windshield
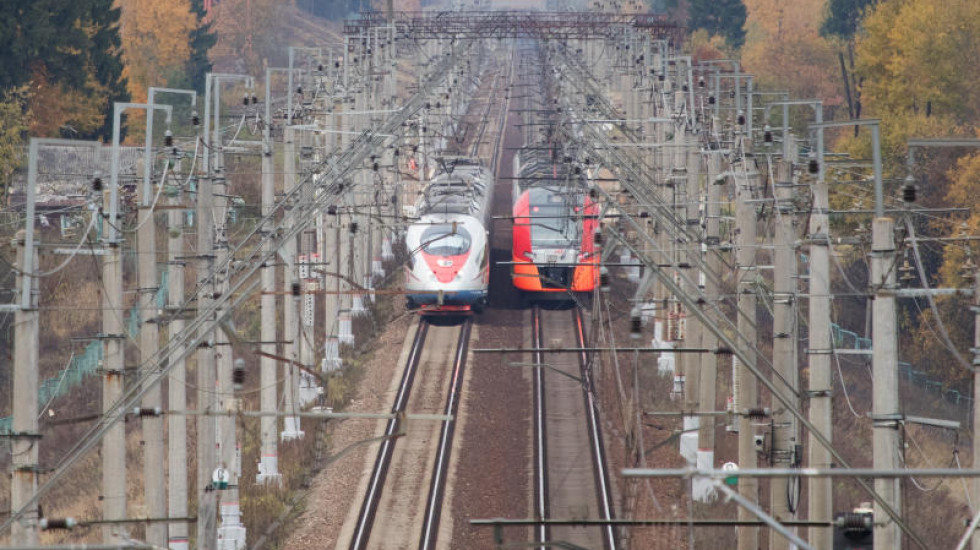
(440, 240)
(553, 227)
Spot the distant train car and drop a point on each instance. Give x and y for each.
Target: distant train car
(555, 221)
(449, 265)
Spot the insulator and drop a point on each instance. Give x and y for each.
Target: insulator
(908, 190)
(767, 134)
(299, 90)
(428, 105)
(577, 170)
(636, 325)
(332, 210)
(255, 99)
(756, 413)
(684, 88)
(353, 227)
(294, 289)
(336, 64)
(597, 238)
(731, 94)
(168, 138)
(855, 523)
(97, 183)
(711, 100)
(661, 77)
(375, 166)
(320, 67)
(396, 153)
(195, 118)
(245, 99)
(813, 166)
(700, 82)
(644, 214)
(741, 119)
(146, 411)
(238, 375)
(603, 279)
(438, 104)
(56, 523)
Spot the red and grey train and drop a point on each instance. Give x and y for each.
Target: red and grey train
(555, 221)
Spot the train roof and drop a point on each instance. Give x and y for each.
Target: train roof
(460, 188)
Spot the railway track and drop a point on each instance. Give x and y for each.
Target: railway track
(434, 369)
(571, 479)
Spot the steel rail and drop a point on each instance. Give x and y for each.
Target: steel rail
(603, 486)
(541, 501)
(437, 486)
(369, 507)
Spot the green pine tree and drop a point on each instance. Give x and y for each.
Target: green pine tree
(844, 17)
(725, 18)
(202, 39)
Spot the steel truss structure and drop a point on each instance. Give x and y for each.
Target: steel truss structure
(468, 25)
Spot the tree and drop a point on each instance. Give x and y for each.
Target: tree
(844, 17)
(202, 39)
(722, 17)
(785, 51)
(156, 42)
(725, 18)
(70, 48)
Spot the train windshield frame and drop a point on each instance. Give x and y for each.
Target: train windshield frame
(439, 240)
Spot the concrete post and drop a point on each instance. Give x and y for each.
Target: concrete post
(23, 450)
(884, 365)
(821, 406)
(206, 531)
(975, 542)
(114, 442)
(709, 361)
(784, 345)
(291, 424)
(155, 495)
(176, 383)
(745, 386)
(269, 402)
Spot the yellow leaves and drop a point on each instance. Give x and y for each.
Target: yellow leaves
(156, 42)
(921, 52)
(55, 107)
(786, 52)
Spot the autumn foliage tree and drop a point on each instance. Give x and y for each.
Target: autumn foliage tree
(785, 51)
(68, 55)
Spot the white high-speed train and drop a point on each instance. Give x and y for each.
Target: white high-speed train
(449, 246)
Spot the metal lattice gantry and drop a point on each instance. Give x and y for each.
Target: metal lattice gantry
(514, 24)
